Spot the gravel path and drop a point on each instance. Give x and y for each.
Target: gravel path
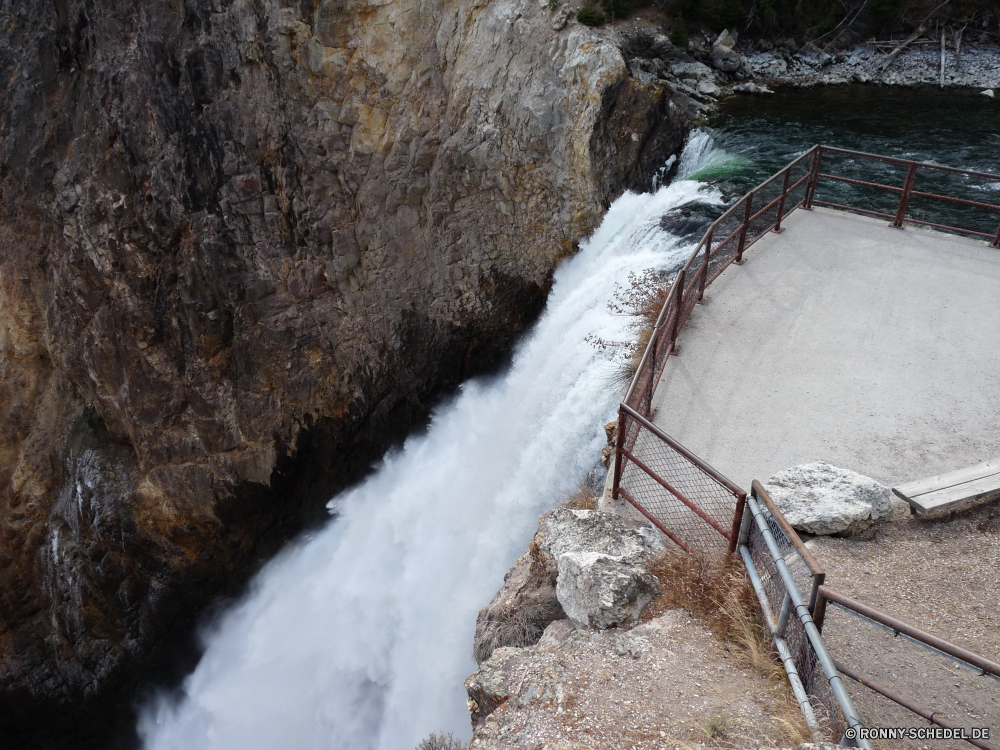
(942, 576)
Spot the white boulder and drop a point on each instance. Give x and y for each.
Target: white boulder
(822, 499)
(724, 55)
(603, 590)
(603, 566)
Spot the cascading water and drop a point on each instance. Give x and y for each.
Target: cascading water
(360, 637)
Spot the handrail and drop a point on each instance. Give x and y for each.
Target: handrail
(929, 639)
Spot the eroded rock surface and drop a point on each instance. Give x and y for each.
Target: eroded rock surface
(822, 499)
(242, 243)
(586, 565)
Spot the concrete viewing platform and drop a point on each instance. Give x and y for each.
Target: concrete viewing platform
(845, 340)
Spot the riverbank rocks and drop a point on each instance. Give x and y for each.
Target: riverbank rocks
(823, 499)
(586, 565)
(724, 56)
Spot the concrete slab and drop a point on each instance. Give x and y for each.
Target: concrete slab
(843, 339)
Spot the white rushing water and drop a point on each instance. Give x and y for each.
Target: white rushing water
(360, 637)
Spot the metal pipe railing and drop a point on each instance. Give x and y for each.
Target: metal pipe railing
(801, 609)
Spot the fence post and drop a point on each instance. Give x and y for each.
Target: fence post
(904, 199)
(819, 610)
(741, 507)
(618, 453)
(703, 278)
(678, 294)
(996, 240)
(811, 191)
(781, 203)
(743, 229)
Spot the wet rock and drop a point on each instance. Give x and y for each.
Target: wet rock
(822, 499)
(751, 88)
(988, 92)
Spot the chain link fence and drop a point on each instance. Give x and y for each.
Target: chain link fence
(902, 677)
(935, 687)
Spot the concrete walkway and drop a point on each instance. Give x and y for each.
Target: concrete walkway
(843, 339)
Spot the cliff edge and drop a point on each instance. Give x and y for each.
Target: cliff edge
(242, 244)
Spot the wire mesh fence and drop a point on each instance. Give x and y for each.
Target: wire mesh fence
(828, 714)
(954, 691)
(691, 505)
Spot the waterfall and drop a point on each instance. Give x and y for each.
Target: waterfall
(360, 635)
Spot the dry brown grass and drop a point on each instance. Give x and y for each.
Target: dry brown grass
(584, 498)
(719, 593)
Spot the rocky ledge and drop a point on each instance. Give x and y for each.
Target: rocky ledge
(593, 678)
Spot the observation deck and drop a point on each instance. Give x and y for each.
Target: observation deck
(843, 339)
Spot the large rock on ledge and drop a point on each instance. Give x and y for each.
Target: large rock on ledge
(822, 499)
(243, 245)
(592, 567)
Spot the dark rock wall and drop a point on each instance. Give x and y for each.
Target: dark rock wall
(243, 244)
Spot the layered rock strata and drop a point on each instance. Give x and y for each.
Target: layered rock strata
(242, 244)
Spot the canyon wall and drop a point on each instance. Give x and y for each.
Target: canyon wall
(243, 245)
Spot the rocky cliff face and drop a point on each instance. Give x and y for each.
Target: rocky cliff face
(242, 243)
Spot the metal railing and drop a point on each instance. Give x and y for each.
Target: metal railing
(780, 569)
(693, 504)
(650, 469)
(903, 672)
(903, 211)
(909, 672)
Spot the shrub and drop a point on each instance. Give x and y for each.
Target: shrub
(679, 32)
(618, 8)
(588, 15)
(435, 741)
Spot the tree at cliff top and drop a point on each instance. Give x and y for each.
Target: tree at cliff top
(826, 20)
(244, 243)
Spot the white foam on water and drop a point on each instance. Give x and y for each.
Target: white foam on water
(360, 637)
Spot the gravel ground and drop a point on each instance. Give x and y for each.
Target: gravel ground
(939, 575)
(667, 683)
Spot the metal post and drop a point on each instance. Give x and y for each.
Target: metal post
(679, 298)
(904, 199)
(819, 611)
(818, 580)
(703, 278)
(619, 443)
(996, 239)
(743, 229)
(811, 190)
(781, 203)
(784, 614)
(736, 537)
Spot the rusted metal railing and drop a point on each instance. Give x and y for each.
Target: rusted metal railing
(693, 504)
(907, 191)
(760, 211)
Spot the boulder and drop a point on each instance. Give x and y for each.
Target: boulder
(603, 590)
(603, 566)
(724, 56)
(708, 88)
(822, 499)
(530, 600)
(695, 70)
(751, 88)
